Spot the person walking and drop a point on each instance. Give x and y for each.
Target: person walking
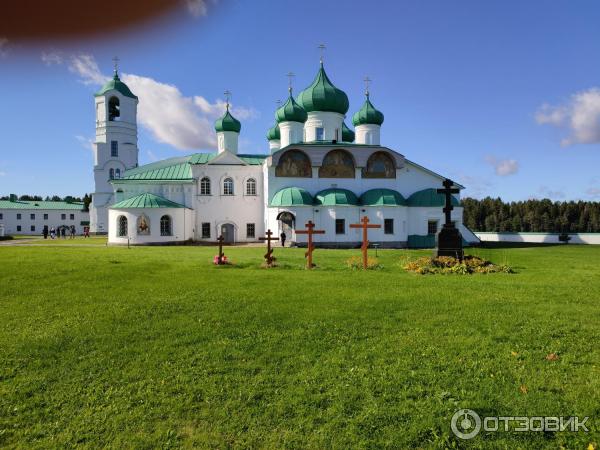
(283, 237)
(63, 232)
(86, 232)
(52, 233)
(72, 231)
(45, 232)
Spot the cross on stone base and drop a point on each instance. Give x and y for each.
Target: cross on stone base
(364, 224)
(220, 240)
(310, 231)
(449, 239)
(269, 255)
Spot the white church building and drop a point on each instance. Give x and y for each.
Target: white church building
(316, 169)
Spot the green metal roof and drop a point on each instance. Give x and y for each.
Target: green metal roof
(274, 133)
(40, 204)
(253, 160)
(322, 95)
(146, 200)
(430, 197)
(336, 197)
(367, 114)
(228, 123)
(117, 85)
(169, 170)
(292, 196)
(290, 111)
(382, 197)
(347, 134)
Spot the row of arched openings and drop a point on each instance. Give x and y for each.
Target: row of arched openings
(143, 226)
(336, 164)
(228, 186)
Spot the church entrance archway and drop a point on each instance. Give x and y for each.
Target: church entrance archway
(228, 233)
(287, 223)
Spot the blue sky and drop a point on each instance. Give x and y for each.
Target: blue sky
(502, 96)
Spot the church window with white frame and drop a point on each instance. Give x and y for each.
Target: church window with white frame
(320, 131)
(114, 149)
(166, 228)
(228, 186)
(205, 186)
(251, 186)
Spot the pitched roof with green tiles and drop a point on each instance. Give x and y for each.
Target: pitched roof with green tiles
(146, 200)
(177, 169)
(292, 196)
(430, 197)
(322, 95)
(382, 197)
(336, 197)
(39, 204)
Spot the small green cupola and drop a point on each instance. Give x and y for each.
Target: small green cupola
(367, 115)
(347, 133)
(291, 111)
(322, 95)
(228, 123)
(117, 85)
(274, 134)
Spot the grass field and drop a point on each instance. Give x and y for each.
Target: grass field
(155, 347)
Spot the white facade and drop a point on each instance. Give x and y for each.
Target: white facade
(538, 238)
(368, 134)
(181, 229)
(115, 151)
(31, 221)
(330, 124)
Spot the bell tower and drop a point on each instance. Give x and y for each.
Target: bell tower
(115, 147)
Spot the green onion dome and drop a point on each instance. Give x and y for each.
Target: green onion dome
(322, 95)
(273, 133)
(347, 133)
(367, 114)
(228, 123)
(117, 85)
(291, 111)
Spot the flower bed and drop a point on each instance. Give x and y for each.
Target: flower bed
(449, 265)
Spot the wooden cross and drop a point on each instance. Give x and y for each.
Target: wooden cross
(269, 255)
(310, 231)
(448, 191)
(220, 240)
(364, 224)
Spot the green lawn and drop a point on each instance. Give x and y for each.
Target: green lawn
(156, 347)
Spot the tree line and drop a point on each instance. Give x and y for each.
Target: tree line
(86, 199)
(492, 214)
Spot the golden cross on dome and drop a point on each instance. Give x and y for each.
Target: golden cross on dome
(322, 48)
(290, 76)
(227, 94)
(367, 81)
(116, 63)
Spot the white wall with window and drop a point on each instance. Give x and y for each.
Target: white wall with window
(150, 225)
(32, 221)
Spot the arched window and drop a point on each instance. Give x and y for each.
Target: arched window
(205, 186)
(294, 163)
(118, 173)
(379, 165)
(143, 225)
(228, 186)
(111, 174)
(251, 187)
(337, 164)
(165, 226)
(114, 110)
(122, 226)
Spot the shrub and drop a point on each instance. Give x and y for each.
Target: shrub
(356, 263)
(449, 265)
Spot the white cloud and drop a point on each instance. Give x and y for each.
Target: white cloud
(86, 67)
(475, 187)
(87, 143)
(580, 116)
(196, 8)
(171, 117)
(546, 192)
(503, 167)
(51, 58)
(3, 47)
(593, 192)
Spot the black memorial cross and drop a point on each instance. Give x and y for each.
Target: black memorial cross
(449, 239)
